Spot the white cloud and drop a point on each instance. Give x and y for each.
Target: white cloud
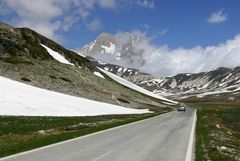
(68, 21)
(95, 24)
(83, 13)
(90, 4)
(49, 16)
(161, 60)
(217, 17)
(108, 3)
(38, 15)
(3, 9)
(165, 61)
(159, 33)
(162, 32)
(146, 3)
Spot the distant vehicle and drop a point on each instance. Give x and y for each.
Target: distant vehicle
(182, 108)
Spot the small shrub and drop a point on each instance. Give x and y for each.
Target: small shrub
(122, 100)
(65, 79)
(52, 76)
(26, 79)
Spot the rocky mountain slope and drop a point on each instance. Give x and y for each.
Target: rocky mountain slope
(121, 71)
(24, 56)
(215, 82)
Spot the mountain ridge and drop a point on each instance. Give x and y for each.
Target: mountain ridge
(180, 84)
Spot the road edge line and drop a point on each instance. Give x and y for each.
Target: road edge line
(191, 139)
(80, 137)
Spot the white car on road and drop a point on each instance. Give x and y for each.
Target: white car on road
(182, 108)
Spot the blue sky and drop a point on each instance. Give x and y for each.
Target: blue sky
(206, 31)
(186, 23)
(173, 23)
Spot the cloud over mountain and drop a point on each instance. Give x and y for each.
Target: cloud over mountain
(134, 49)
(166, 61)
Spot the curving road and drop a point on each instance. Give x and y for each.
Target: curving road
(162, 138)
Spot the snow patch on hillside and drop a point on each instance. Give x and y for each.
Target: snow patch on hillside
(92, 45)
(110, 49)
(173, 84)
(82, 55)
(98, 74)
(21, 99)
(56, 55)
(136, 88)
(119, 69)
(225, 90)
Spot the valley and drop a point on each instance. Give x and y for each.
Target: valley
(49, 94)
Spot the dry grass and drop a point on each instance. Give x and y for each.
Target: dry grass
(218, 131)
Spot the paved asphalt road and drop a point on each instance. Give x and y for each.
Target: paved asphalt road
(162, 138)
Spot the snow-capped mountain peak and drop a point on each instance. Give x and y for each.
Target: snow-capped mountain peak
(113, 48)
